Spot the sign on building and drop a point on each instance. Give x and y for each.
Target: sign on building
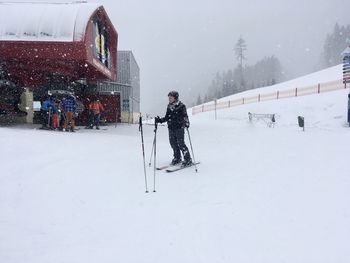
(126, 105)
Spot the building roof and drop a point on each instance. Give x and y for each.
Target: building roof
(38, 21)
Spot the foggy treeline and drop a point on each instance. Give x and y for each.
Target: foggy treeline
(334, 45)
(269, 70)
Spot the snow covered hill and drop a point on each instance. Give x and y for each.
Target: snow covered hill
(261, 195)
(326, 75)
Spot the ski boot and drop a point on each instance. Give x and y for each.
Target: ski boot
(176, 161)
(187, 162)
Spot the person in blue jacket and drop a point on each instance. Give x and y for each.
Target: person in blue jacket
(47, 109)
(69, 108)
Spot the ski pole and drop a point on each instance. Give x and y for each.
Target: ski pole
(49, 119)
(155, 155)
(194, 160)
(150, 160)
(143, 152)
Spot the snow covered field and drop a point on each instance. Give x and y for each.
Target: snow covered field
(261, 194)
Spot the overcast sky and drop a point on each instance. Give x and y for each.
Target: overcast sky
(181, 44)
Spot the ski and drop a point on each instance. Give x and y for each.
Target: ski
(69, 130)
(56, 130)
(101, 129)
(163, 167)
(167, 167)
(44, 129)
(178, 168)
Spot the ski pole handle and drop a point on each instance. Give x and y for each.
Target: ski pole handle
(140, 123)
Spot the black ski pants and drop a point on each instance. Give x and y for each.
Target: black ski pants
(177, 142)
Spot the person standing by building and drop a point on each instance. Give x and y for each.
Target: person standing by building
(55, 116)
(47, 109)
(95, 108)
(61, 116)
(177, 119)
(69, 107)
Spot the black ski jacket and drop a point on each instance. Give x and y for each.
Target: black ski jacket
(176, 116)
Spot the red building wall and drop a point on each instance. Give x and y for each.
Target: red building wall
(29, 62)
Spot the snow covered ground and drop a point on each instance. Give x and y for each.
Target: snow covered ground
(261, 194)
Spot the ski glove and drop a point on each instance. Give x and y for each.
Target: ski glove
(187, 124)
(158, 119)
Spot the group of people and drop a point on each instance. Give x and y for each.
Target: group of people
(59, 114)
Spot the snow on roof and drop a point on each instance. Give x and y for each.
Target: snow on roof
(27, 21)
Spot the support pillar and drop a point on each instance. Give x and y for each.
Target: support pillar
(26, 105)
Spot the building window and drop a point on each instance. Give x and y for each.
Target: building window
(101, 44)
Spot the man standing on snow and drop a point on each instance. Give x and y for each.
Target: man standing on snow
(69, 107)
(95, 108)
(177, 119)
(47, 109)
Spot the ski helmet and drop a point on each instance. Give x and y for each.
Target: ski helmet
(174, 94)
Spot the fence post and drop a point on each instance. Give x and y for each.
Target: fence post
(243, 101)
(203, 108)
(216, 102)
(229, 104)
(296, 92)
(259, 98)
(319, 88)
(278, 94)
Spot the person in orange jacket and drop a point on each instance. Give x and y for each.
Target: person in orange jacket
(55, 115)
(95, 108)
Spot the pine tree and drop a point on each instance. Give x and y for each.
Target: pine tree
(199, 100)
(334, 44)
(240, 49)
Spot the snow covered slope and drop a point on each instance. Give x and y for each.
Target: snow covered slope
(326, 75)
(262, 194)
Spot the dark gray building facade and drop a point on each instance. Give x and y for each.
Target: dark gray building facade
(128, 73)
